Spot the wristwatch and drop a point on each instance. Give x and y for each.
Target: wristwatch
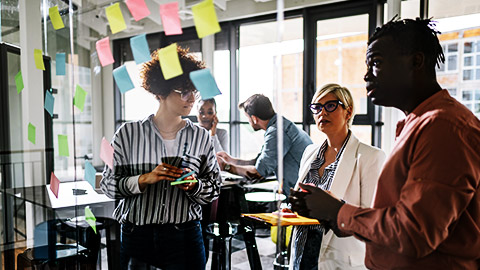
(227, 167)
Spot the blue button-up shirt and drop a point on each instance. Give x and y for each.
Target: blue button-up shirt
(295, 141)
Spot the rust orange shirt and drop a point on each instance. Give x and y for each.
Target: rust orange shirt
(426, 211)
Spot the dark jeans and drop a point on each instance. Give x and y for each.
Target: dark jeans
(311, 250)
(165, 246)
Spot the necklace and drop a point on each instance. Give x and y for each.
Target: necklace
(175, 130)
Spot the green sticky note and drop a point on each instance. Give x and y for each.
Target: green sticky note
(183, 182)
(31, 133)
(79, 98)
(63, 145)
(38, 56)
(205, 18)
(19, 81)
(90, 218)
(55, 18)
(169, 62)
(115, 18)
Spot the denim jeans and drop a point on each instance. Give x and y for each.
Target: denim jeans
(165, 246)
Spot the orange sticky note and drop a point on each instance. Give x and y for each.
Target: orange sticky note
(115, 18)
(55, 18)
(104, 52)
(169, 62)
(38, 56)
(170, 19)
(106, 153)
(205, 19)
(138, 8)
(54, 184)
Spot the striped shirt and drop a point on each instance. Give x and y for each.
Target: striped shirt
(324, 182)
(138, 149)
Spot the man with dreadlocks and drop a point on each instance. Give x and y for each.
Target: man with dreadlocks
(426, 211)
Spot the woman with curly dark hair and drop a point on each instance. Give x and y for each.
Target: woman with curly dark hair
(160, 218)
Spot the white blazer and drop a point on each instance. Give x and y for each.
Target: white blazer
(355, 182)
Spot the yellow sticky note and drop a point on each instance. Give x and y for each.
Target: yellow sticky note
(205, 18)
(115, 18)
(38, 56)
(169, 62)
(90, 218)
(55, 18)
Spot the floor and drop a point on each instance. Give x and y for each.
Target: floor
(266, 249)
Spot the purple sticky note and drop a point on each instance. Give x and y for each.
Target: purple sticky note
(138, 8)
(170, 19)
(104, 52)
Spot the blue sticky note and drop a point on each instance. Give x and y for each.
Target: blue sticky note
(49, 101)
(90, 173)
(60, 63)
(205, 83)
(140, 50)
(123, 79)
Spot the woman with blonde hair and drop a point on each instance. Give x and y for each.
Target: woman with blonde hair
(345, 167)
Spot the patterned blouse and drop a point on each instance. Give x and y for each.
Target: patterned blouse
(314, 232)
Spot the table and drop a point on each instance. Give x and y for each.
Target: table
(272, 219)
(269, 185)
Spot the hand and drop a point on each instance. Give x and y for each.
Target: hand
(227, 158)
(213, 129)
(221, 163)
(162, 172)
(315, 203)
(188, 186)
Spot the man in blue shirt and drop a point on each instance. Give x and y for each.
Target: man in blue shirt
(261, 115)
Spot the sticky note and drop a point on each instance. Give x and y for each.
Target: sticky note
(115, 18)
(122, 79)
(205, 18)
(63, 145)
(90, 173)
(90, 218)
(205, 83)
(169, 62)
(104, 52)
(138, 8)
(106, 153)
(55, 18)
(19, 82)
(140, 50)
(54, 184)
(49, 101)
(38, 56)
(60, 63)
(170, 19)
(31, 133)
(79, 98)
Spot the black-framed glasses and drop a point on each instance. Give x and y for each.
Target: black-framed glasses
(185, 94)
(329, 106)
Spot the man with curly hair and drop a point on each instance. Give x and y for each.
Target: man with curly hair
(160, 222)
(426, 212)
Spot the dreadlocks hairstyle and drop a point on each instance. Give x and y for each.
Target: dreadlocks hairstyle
(417, 35)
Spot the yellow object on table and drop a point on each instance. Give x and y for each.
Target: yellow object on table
(272, 219)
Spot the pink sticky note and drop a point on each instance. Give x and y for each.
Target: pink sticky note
(106, 153)
(54, 184)
(170, 19)
(138, 8)
(104, 52)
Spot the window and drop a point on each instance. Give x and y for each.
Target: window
(451, 58)
(471, 60)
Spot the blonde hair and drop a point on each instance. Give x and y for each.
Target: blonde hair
(342, 93)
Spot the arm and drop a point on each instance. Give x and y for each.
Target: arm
(209, 180)
(432, 199)
(118, 183)
(222, 136)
